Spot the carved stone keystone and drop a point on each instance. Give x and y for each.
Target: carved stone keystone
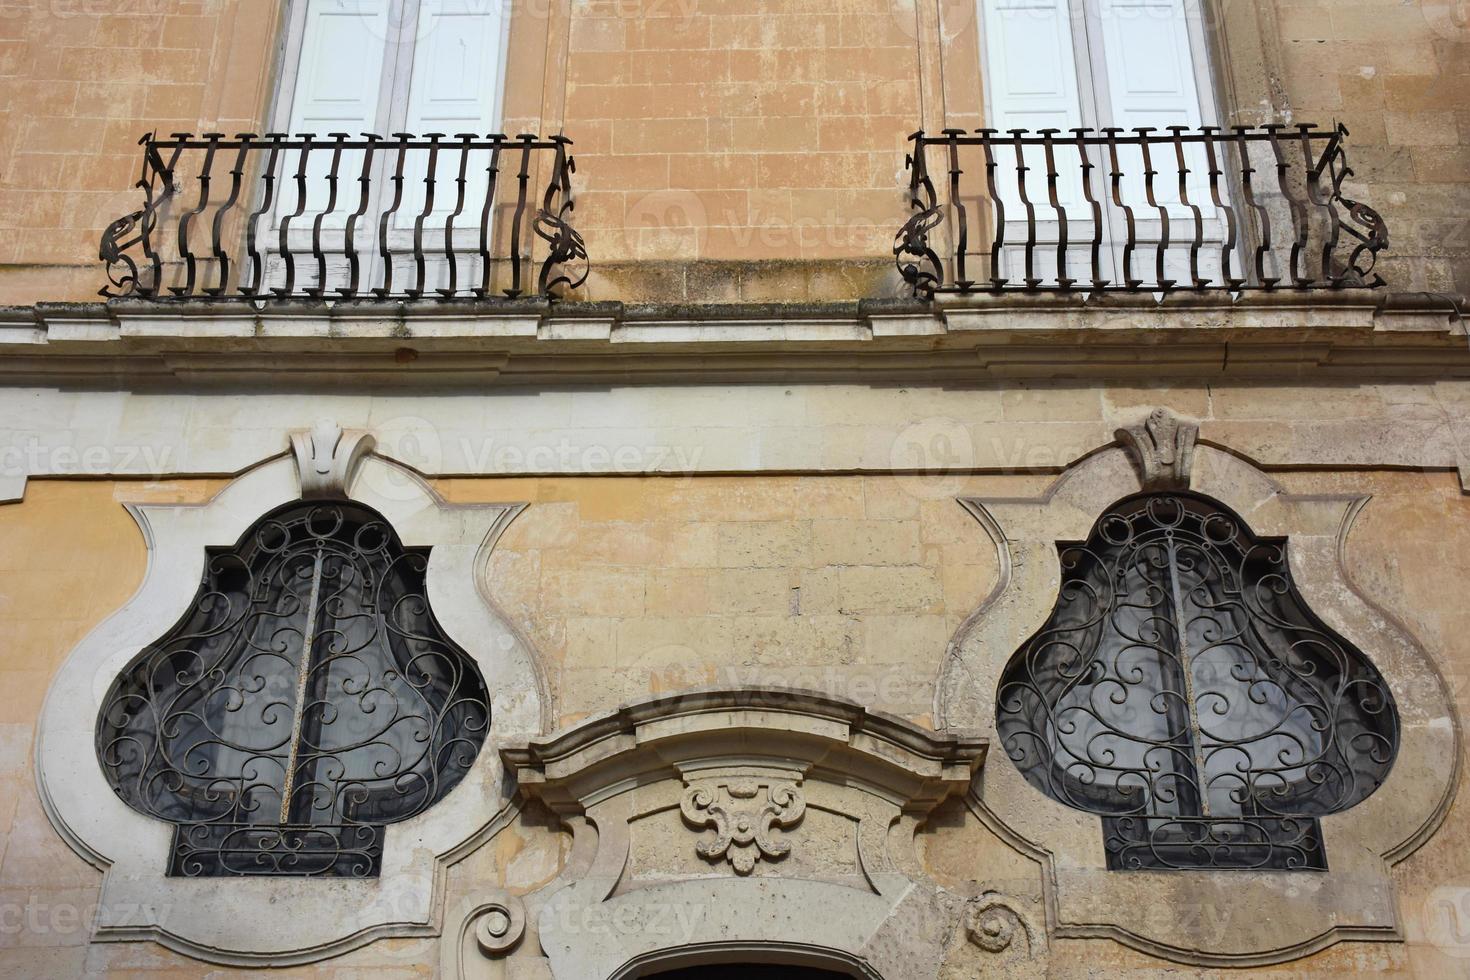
(327, 457)
(1162, 448)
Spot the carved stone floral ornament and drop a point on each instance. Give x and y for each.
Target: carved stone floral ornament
(743, 813)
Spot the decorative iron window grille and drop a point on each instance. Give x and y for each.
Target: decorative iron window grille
(1135, 210)
(337, 217)
(306, 699)
(1183, 691)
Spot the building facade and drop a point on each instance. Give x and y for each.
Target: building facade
(588, 489)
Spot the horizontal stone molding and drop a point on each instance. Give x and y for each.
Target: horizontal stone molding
(971, 339)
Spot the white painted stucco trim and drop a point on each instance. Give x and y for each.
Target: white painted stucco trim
(281, 921)
(1244, 918)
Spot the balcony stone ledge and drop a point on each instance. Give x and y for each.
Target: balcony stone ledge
(1347, 335)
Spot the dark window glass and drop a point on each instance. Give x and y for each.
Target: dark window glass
(1183, 691)
(306, 699)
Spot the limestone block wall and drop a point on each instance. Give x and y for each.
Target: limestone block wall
(1399, 78)
(848, 585)
(728, 151)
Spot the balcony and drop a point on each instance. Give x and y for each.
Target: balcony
(1135, 211)
(340, 218)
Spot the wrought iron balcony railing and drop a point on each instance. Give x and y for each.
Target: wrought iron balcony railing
(1138, 210)
(341, 217)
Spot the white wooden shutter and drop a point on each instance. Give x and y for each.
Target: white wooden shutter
(454, 87)
(338, 87)
(1031, 62)
(1149, 65)
(1031, 76)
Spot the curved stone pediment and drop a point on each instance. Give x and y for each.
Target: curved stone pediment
(719, 819)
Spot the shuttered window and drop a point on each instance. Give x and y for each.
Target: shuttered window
(387, 67)
(1064, 64)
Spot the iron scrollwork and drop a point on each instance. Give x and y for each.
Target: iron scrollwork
(1183, 691)
(566, 263)
(307, 699)
(332, 217)
(918, 262)
(1138, 210)
(135, 230)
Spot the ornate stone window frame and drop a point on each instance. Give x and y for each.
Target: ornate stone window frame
(280, 921)
(1215, 918)
(786, 754)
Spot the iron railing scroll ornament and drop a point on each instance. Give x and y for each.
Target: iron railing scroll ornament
(338, 217)
(307, 699)
(1183, 691)
(1141, 210)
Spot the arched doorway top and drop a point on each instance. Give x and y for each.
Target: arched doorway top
(780, 823)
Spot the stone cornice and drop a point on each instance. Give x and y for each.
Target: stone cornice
(1352, 336)
(606, 755)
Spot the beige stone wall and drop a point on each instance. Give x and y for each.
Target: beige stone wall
(631, 586)
(728, 151)
(1398, 75)
(80, 82)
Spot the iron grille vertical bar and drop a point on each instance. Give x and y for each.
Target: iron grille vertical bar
(155, 257)
(349, 234)
(1063, 282)
(1293, 204)
(487, 214)
(385, 221)
(1095, 247)
(1227, 247)
(191, 263)
(217, 229)
(517, 257)
(957, 202)
(1247, 171)
(267, 202)
(997, 281)
(1032, 280)
(460, 183)
(1130, 281)
(318, 253)
(287, 253)
(1199, 220)
(431, 181)
(1321, 202)
(1161, 249)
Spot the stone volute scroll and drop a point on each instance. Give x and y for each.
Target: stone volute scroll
(1162, 449)
(327, 457)
(993, 924)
